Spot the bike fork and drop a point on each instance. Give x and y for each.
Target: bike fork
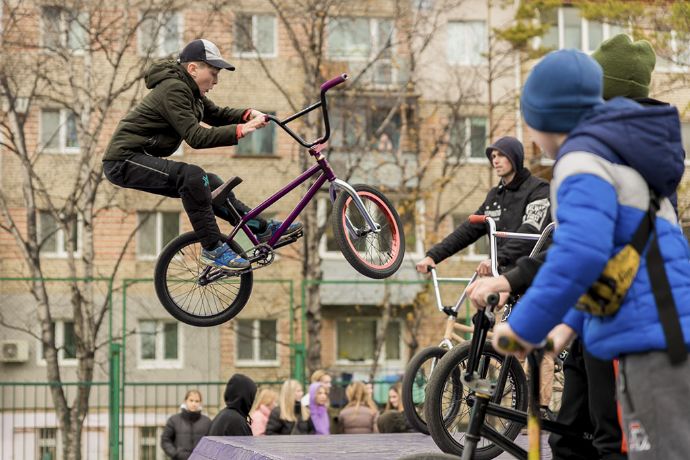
(347, 188)
(473, 434)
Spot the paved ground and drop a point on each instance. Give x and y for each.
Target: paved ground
(334, 447)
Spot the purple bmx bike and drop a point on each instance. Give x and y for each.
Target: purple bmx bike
(365, 224)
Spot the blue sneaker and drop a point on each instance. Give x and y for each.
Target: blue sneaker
(274, 225)
(224, 258)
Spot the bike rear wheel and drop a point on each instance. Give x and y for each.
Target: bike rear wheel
(415, 382)
(449, 434)
(376, 255)
(177, 285)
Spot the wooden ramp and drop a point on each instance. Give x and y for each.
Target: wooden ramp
(332, 447)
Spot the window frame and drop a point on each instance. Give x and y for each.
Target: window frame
(584, 30)
(60, 252)
(59, 335)
(159, 362)
(382, 358)
(256, 361)
(140, 439)
(62, 148)
(467, 153)
(254, 53)
(64, 32)
(159, 233)
(375, 49)
(159, 51)
(50, 443)
(468, 60)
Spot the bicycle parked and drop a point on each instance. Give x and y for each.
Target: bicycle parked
(487, 427)
(366, 226)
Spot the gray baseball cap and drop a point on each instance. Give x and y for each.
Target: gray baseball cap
(204, 51)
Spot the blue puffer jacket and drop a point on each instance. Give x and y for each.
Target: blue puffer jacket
(599, 197)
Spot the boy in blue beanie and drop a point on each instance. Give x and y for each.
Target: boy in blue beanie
(611, 158)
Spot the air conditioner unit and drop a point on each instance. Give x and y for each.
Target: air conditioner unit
(14, 351)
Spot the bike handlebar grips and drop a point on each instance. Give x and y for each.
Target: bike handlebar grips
(513, 346)
(333, 82)
(492, 299)
(477, 219)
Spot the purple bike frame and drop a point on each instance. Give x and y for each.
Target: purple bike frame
(327, 174)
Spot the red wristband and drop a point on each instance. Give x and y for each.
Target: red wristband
(238, 132)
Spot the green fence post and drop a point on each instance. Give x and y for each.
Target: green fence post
(298, 362)
(114, 400)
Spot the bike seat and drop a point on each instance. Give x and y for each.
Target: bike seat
(219, 195)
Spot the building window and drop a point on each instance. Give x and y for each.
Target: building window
(65, 342)
(467, 43)
(148, 438)
(156, 229)
(357, 340)
(47, 444)
(159, 343)
(64, 28)
(479, 250)
(256, 341)
(160, 33)
(59, 131)
(362, 41)
(53, 239)
(467, 139)
(674, 54)
(255, 35)
(568, 29)
(259, 142)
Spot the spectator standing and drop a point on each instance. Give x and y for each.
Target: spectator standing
(318, 408)
(392, 419)
(290, 417)
(233, 420)
(360, 413)
(265, 402)
(184, 430)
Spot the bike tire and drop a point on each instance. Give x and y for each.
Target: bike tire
(375, 255)
(444, 432)
(177, 270)
(414, 384)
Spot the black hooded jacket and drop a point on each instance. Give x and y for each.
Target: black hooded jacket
(233, 419)
(521, 206)
(182, 433)
(170, 113)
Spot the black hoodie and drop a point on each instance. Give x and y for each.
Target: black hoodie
(521, 206)
(233, 419)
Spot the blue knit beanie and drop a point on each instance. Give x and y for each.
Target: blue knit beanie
(560, 89)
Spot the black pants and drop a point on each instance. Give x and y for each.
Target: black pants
(588, 404)
(177, 180)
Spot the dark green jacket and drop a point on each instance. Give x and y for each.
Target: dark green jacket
(169, 114)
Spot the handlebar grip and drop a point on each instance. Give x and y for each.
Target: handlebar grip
(513, 346)
(492, 299)
(477, 219)
(333, 82)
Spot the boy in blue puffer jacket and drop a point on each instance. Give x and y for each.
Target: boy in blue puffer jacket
(608, 156)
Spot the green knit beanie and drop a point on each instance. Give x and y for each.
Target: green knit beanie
(627, 66)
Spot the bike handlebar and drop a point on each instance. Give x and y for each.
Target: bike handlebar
(513, 345)
(333, 82)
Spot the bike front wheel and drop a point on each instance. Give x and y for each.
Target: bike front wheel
(415, 382)
(198, 304)
(376, 254)
(449, 432)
